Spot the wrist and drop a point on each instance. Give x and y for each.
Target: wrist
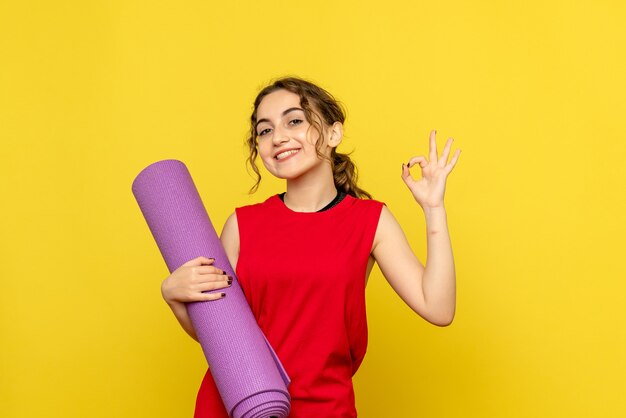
(434, 209)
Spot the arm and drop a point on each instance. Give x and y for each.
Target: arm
(230, 241)
(429, 291)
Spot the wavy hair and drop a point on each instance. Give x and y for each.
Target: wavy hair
(316, 102)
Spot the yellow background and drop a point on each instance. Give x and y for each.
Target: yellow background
(532, 92)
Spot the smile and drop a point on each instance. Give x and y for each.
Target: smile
(286, 154)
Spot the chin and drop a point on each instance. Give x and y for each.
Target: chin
(287, 176)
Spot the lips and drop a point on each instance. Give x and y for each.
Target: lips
(286, 153)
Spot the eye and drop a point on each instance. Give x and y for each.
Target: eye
(297, 122)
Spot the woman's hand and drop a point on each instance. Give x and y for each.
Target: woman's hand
(188, 281)
(429, 190)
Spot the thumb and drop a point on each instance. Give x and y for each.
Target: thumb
(406, 174)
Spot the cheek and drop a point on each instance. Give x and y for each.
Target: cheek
(311, 136)
(263, 149)
(311, 143)
(265, 154)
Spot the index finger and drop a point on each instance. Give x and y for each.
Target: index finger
(433, 146)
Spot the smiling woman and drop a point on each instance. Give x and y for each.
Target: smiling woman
(287, 144)
(295, 115)
(303, 257)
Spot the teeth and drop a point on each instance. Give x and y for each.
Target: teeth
(286, 154)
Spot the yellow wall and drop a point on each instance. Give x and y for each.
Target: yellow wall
(533, 93)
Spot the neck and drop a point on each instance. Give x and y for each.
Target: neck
(312, 193)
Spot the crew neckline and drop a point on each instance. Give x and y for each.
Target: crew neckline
(338, 198)
(343, 203)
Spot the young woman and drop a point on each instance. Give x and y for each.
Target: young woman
(303, 257)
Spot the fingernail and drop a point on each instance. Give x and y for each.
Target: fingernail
(223, 295)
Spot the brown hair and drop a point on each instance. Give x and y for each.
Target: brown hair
(312, 99)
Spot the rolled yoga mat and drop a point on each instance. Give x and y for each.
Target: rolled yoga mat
(247, 372)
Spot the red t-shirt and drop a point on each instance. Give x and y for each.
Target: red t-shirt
(303, 275)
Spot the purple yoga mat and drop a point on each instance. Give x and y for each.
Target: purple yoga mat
(246, 370)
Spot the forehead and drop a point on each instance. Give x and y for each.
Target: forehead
(274, 103)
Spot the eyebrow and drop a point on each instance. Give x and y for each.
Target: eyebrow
(284, 113)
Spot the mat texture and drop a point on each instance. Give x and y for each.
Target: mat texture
(246, 370)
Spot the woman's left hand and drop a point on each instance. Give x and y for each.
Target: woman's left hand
(429, 190)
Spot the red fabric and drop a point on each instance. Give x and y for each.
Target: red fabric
(303, 275)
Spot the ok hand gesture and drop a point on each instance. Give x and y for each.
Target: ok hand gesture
(429, 190)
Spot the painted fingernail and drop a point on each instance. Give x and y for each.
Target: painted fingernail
(223, 295)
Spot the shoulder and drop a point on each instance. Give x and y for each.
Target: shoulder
(368, 213)
(371, 208)
(230, 232)
(362, 209)
(256, 206)
(366, 203)
(246, 216)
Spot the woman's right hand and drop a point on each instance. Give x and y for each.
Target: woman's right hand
(188, 281)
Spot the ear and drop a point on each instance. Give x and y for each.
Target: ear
(335, 134)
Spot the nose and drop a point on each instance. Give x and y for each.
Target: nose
(279, 136)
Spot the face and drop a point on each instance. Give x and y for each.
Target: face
(286, 141)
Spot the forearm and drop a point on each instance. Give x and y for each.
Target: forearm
(439, 281)
(180, 311)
